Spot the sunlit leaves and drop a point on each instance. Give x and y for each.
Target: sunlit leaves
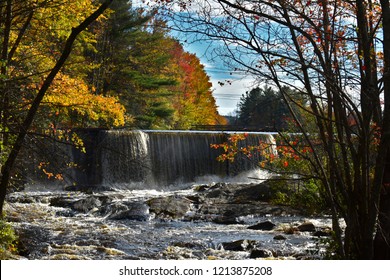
(70, 103)
(194, 101)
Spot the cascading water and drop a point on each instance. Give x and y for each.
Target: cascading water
(157, 158)
(125, 157)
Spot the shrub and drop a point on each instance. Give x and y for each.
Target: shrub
(7, 240)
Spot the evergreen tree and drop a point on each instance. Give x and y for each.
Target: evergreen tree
(264, 109)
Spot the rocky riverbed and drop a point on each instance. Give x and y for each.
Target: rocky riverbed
(215, 221)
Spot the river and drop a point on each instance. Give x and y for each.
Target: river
(121, 224)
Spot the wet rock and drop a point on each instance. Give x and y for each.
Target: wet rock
(254, 192)
(260, 253)
(236, 193)
(22, 199)
(63, 202)
(322, 233)
(239, 245)
(307, 226)
(170, 207)
(65, 213)
(113, 208)
(33, 241)
(135, 211)
(239, 200)
(279, 237)
(202, 188)
(267, 225)
(188, 245)
(87, 204)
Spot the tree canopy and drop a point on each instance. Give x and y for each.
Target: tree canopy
(91, 64)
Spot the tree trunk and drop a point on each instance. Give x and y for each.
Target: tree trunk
(382, 238)
(9, 164)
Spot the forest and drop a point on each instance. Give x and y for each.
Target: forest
(91, 64)
(124, 71)
(325, 65)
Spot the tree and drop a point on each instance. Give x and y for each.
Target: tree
(264, 109)
(160, 84)
(336, 55)
(194, 102)
(27, 120)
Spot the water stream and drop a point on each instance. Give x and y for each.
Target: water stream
(142, 200)
(54, 226)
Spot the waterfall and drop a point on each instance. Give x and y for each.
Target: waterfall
(182, 156)
(146, 159)
(162, 158)
(124, 157)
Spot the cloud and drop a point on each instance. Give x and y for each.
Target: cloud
(228, 95)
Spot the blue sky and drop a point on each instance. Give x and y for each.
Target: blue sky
(228, 95)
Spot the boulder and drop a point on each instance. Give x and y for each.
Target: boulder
(260, 253)
(307, 226)
(236, 193)
(170, 206)
(240, 245)
(135, 211)
(267, 225)
(238, 200)
(63, 202)
(86, 204)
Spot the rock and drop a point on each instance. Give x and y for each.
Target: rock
(260, 253)
(322, 233)
(33, 240)
(237, 199)
(307, 226)
(113, 208)
(235, 193)
(171, 206)
(279, 237)
(22, 199)
(63, 202)
(253, 192)
(135, 211)
(86, 204)
(240, 245)
(65, 213)
(267, 225)
(188, 245)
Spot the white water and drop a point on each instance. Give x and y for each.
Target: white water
(61, 233)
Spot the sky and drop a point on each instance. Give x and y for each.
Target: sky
(228, 95)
